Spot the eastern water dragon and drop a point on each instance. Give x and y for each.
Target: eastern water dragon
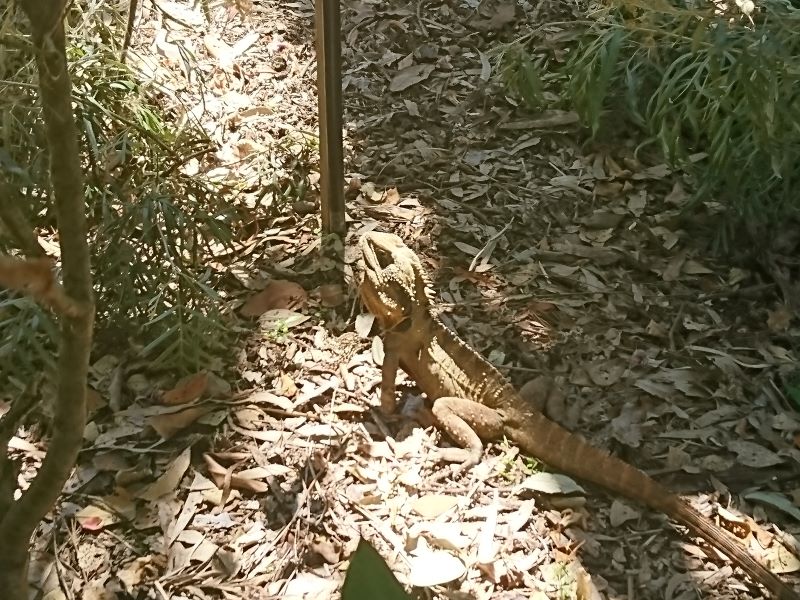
(472, 401)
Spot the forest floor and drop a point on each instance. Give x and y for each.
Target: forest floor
(551, 255)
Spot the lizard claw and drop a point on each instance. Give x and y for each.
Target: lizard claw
(464, 459)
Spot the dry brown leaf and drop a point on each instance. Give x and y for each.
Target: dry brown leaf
(780, 560)
(279, 294)
(169, 480)
(546, 396)
(224, 478)
(409, 76)
(502, 14)
(34, 277)
(167, 425)
(621, 512)
(673, 269)
(94, 518)
(604, 373)
(309, 585)
(626, 426)
(270, 398)
(677, 195)
(602, 219)
(94, 401)
(187, 390)
(778, 320)
(431, 506)
(286, 386)
(93, 590)
(693, 267)
(392, 196)
(331, 295)
(751, 454)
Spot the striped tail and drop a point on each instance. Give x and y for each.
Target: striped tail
(570, 453)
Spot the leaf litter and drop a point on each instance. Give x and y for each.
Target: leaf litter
(611, 315)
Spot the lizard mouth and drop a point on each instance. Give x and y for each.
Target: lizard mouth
(388, 275)
(376, 249)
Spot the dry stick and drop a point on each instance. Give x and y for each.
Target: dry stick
(23, 516)
(133, 6)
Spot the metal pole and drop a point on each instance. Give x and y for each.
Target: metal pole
(329, 89)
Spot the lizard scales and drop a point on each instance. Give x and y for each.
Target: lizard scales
(473, 401)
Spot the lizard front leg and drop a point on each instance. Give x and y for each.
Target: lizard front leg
(467, 423)
(391, 363)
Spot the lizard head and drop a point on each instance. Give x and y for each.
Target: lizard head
(395, 284)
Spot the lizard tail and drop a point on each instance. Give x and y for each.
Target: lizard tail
(570, 453)
(699, 525)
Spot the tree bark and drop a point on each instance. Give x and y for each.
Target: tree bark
(22, 516)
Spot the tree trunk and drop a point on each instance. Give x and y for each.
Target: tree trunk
(19, 519)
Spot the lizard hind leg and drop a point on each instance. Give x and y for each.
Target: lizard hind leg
(467, 423)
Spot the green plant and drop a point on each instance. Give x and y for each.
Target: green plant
(703, 79)
(369, 577)
(155, 228)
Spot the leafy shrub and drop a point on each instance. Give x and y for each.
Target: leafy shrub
(713, 78)
(152, 226)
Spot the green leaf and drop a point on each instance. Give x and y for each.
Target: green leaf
(793, 391)
(778, 501)
(368, 577)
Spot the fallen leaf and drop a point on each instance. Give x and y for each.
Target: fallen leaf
(93, 518)
(364, 323)
(169, 480)
(435, 568)
(778, 320)
(780, 560)
(604, 373)
(431, 506)
(550, 483)
(167, 425)
(187, 390)
(602, 219)
(693, 267)
(673, 269)
(778, 501)
(621, 512)
(286, 386)
(677, 195)
(409, 76)
(135, 573)
(331, 294)
(503, 14)
(223, 479)
(280, 317)
(626, 426)
(751, 454)
(278, 294)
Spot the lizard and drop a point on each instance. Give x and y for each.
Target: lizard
(472, 401)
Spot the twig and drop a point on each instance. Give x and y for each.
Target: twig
(674, 326)
(488, 248)
(424, 29)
